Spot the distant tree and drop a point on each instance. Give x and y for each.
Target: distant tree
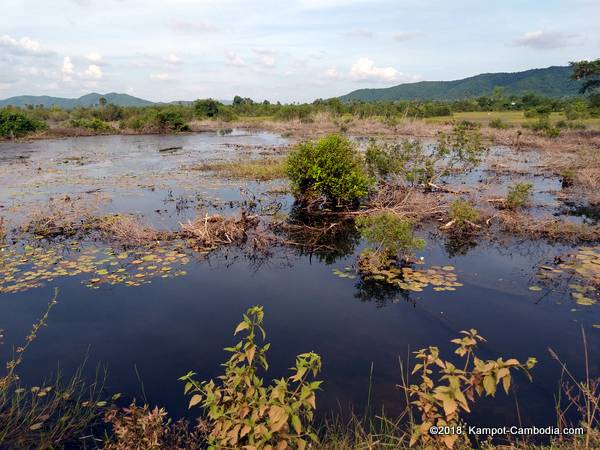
(206, 108)
(266, 102)
(102, 102)
(237, 101)
(589, 72)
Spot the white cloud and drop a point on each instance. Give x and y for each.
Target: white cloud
(68, 68)
(160, 77)
(23, 46)
(544, 39)
(94, 57)
(333, 74)
(93, 72)
(183, 26)
(267, 57)
(361, 34)
(365, 70)
(403, 36)
(268, 61)
(172, 59)
(232, 59)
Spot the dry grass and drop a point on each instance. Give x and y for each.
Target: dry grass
(250, 169)
(209, 232)
(2, 229)
(126, 230)
(553, 230)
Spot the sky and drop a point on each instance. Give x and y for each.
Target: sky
(285, 50)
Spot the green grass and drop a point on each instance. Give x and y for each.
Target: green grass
(514, 118)
(251, 169)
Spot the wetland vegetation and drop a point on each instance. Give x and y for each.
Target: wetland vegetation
(363, 231)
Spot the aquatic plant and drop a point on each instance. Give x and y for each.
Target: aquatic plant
(329, 170)
(250, 169)
(241, 412)
(462, 215)
(440, 402)
(390, 235)
(518, 195)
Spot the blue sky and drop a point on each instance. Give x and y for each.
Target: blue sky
(287, 50)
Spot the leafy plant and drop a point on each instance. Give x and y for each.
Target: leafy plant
(389, 234)
(139, 428)
(518, 195)
(439, 402)
(94, 124)
(385, 159)
(16, 124)
(243, 413)
(331, 169)
(463, 214)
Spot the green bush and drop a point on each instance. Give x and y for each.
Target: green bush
(463, 214)
(498, 124)
(206, 108)
(331, 168)
(577, 110)
(389, 234)
(16, 124)
(384, 159)
(94, 124)
(170, 120)
(241, 412)
(518, 195)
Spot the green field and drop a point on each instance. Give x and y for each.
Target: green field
(509, 117)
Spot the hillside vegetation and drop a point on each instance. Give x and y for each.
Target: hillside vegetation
(552, 82)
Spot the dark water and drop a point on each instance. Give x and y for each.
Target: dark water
(171, 326)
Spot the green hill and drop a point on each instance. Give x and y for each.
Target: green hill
(70, 103)
(550, 82)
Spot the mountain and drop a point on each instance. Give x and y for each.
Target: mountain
(70, 103)
(549, 82)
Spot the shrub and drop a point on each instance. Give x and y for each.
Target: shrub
(170, 120)
(94, 124)
(16, 124)
(384, 159)
(243, 413)
(463, 214)
(498, 124)
(518, 195)
(330, 168)
(206, 108)
(576, 110)
(391, 235)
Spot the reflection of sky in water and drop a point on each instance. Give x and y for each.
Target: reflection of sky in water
(174, 325)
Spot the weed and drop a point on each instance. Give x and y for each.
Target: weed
(463, 215)
(243, 413)
(94, 124)
(252, 169)
(518, 195)
(139, 428)
(498, 123)
(391, 235)
(440, 403)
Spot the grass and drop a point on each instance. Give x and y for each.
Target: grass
(511, 118)
(251, 169)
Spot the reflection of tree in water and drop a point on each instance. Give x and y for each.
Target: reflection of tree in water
(459, 244)
(380, 293)
(329, 238)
